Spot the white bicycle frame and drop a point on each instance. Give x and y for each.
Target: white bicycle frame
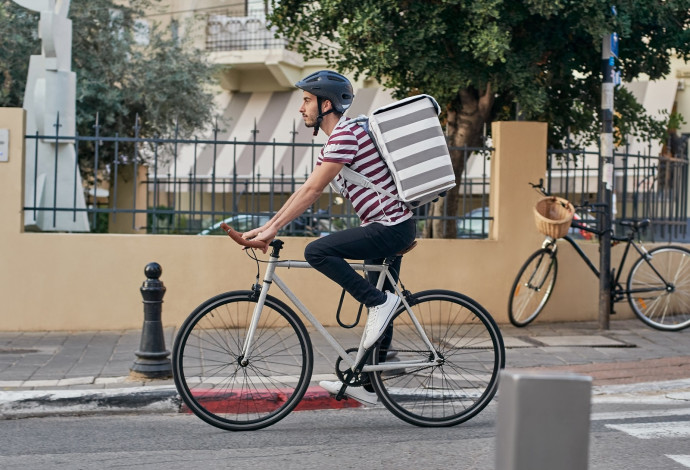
(271, 277)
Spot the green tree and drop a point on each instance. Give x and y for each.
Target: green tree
(125, 69)
(18, 41)
(494, 59)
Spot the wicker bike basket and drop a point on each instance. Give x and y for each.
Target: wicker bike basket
(553, 216)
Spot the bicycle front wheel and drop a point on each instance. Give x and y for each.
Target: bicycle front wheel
(463, 383)
(219, 385)
(532, 287)
(659, 288)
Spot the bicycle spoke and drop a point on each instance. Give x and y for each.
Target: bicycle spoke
(230, 391)
(659, 288)
(471, 352)
(532, 287)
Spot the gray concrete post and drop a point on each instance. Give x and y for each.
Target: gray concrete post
(543, 421)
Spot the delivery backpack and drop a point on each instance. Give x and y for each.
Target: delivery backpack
(409, 137)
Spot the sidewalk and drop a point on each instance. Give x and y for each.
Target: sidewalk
(88, 372)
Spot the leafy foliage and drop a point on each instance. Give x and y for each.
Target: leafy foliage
(543, 55)
(161, 80)
(18, 40)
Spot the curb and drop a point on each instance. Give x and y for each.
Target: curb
(165, 399)
(150, 399)
(35, 403)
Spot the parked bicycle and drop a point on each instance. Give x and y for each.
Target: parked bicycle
(243, 359)
(657, 287)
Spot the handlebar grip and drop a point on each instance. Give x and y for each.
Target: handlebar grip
(237, 238)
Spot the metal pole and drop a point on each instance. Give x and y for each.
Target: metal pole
(152, 358)
(609, 49)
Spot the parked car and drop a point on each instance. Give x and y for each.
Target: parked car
(306, 225)
(240, 222)
(474, 224)
(586, 219)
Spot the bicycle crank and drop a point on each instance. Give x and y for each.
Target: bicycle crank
(343, 371)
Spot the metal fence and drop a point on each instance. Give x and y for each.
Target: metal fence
(646, 186)
(173, 195)
(158, 185)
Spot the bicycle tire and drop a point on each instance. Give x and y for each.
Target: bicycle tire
(532, 287)
(452, 392)
(214, 384)
(661, 308)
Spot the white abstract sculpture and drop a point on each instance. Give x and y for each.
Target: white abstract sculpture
(52, 178)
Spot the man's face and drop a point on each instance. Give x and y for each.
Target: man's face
(310, 108)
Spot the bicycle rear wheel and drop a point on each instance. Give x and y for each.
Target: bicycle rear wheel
(659, 288)
(532, 287)
(451, 392)
(209, 372)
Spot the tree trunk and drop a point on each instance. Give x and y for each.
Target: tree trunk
(466, 116)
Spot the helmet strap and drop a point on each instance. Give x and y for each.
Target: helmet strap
(319, 118)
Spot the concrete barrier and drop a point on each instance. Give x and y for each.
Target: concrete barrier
(543, 421)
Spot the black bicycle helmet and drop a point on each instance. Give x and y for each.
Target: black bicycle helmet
(329, 85)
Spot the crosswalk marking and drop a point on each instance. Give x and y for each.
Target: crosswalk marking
(619, 415)
(681, 459)
(671, 429)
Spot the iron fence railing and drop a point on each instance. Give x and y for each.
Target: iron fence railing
(240, 33)
(180, 185)
(174, 193)
(646, 186)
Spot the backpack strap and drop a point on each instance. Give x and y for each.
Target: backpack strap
(348, 174)
(351, 175)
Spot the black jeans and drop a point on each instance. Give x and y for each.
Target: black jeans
(371, 243)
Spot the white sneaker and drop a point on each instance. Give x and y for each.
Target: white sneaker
(356, 393)
(378, 319)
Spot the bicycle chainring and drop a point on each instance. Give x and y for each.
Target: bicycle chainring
(341, 369)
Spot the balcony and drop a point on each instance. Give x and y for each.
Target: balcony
(240, 33)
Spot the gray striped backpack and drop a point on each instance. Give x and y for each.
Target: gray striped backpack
(409, 138)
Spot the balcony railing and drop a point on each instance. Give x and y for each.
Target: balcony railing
(240, 33)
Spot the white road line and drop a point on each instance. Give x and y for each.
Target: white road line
(684, 460)
(672, 429)
(617, 415)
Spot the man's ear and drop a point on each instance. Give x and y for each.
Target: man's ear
(326, 105)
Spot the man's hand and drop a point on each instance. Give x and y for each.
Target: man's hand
(264, 234)
(253, 233)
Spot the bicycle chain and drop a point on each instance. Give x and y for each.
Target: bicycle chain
(361, 379)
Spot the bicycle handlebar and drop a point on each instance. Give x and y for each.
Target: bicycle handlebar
(237, 238)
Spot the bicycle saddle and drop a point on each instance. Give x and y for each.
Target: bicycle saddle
(408, 249)
(634, 223)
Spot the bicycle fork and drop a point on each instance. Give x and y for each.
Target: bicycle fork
(263, 292)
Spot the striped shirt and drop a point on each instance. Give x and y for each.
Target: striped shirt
(351, 145)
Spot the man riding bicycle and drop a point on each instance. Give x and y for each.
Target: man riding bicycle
(386, 223)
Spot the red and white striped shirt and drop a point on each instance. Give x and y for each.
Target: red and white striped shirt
(351, 145)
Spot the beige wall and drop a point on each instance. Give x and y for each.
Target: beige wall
(60, 281)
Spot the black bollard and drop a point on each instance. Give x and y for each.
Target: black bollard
(152, 358)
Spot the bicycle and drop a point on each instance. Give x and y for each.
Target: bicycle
(243, 360)
(657, 287)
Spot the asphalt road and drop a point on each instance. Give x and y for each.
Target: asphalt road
(627, 432)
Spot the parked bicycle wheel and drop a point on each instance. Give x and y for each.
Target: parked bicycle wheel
(532, 287)
(452, 392)
(659, 288)
(213, 379)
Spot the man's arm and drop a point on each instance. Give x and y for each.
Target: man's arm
(298, 202)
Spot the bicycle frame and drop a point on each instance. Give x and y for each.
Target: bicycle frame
(617, 289)
(271, 277)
